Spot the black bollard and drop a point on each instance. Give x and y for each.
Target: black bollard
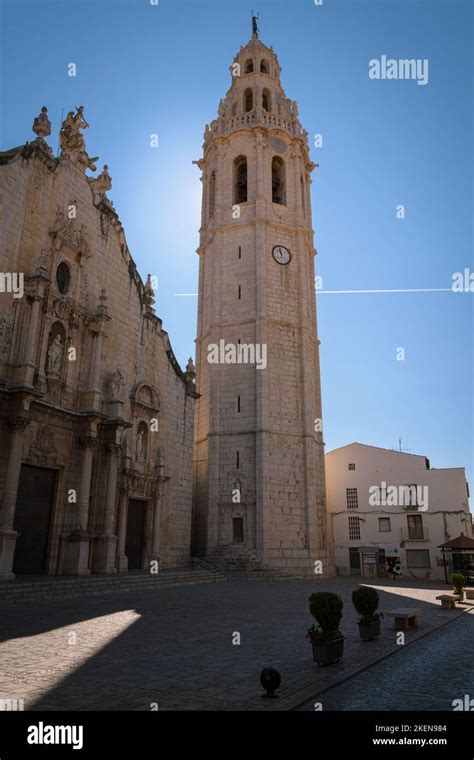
(270, 680)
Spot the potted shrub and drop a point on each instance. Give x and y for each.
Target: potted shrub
(326, 639)
(458, 582)
(366, 602)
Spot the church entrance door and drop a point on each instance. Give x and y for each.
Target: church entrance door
(33, 518)
(238, 530)
(135, 533)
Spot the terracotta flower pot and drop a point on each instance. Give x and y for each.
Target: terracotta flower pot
(369, 631)
(327, 652)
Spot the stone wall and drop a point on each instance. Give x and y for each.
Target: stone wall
(256, 427)
(123, 378)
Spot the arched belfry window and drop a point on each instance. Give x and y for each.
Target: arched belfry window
(240, 179)
(278, 181)
(264, 67)
(248, 100)
(248, 68)
(266, 100)
(212, 194)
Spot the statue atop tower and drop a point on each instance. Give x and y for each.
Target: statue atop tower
(255, 29)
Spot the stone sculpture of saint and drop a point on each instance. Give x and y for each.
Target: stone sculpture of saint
(70, 135)
(117, 382)
(140, 444)
(72, 141)
(55, 354)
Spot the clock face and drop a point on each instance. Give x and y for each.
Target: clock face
(281, 254)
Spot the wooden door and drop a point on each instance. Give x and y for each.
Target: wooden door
(33, 518)
(135, 533)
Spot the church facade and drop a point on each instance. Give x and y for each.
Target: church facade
(97, 416)
(259, 451)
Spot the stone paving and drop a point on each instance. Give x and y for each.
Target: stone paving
(429, 675)
(172, 648)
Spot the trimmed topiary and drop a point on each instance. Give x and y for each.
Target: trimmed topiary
(366, 602)
(326, 607)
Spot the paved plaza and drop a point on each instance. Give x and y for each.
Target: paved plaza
(427, 676)
(172, 648)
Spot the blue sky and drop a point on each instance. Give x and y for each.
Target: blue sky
(145, 69)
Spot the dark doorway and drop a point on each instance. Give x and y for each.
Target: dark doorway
(135, 533)
(354, 561)
(381, 564)
(32, 519)
(238, 529)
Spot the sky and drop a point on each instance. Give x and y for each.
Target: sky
(162, 68)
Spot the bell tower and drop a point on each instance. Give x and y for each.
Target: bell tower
(259, 451)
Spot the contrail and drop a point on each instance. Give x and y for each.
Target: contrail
(393, 290)
(387, 290)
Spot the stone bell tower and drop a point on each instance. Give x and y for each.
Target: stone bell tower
(259, 452)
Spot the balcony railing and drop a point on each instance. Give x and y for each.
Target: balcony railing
(258, 116)
(415, 534)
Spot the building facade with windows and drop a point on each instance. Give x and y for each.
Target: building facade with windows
(391, 510)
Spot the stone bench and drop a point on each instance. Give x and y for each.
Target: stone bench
(448, 601)
(405, 618)
(469, 593)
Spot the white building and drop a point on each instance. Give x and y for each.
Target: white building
(388, 504)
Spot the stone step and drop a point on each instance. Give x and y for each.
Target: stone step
(102, 587)
(235, 561)
(256, 575)
(42, 589)
(59, 581)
